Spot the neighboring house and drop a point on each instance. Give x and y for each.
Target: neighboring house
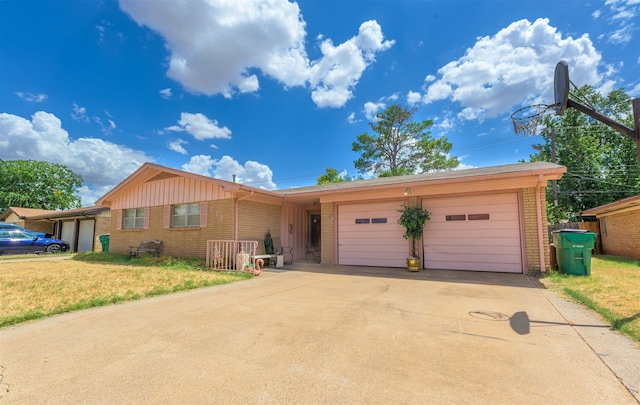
(619, 226)
(22, 217)
(81, 227)
(486, 219)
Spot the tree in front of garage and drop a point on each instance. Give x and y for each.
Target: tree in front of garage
(38, 184)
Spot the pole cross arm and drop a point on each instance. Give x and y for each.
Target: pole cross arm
(625, 130)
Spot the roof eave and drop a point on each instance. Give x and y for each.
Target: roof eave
(549, 174)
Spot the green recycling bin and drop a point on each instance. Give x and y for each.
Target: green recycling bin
(104, 241)
(573, 250)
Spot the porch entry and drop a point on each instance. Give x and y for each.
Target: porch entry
(314, 239)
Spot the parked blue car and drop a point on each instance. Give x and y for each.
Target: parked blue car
(7, 226)
(17, 242)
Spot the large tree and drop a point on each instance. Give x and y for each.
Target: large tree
(36, 184)
(602, 164)
(401, 146)
(331, 175)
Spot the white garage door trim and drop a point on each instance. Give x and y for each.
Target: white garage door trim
(482, 233)
(369, 235)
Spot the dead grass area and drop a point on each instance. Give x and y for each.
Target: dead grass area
(31, 290)
(612, 289)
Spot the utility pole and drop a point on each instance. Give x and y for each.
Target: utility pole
(554, 183)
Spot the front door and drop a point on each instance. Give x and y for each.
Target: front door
(314, 232)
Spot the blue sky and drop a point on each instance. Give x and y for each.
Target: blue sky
(275, 92)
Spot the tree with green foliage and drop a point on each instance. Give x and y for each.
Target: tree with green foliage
(602, 164)
(401, 146)
(36, 184)
(331, 175)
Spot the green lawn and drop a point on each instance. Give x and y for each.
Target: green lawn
(37, 289)
(612, 290)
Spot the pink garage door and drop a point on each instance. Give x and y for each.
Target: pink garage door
(480, 233)
(369, 235)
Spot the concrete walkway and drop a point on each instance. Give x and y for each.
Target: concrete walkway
(327, 335)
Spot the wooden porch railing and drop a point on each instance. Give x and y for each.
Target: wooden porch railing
(223, 254)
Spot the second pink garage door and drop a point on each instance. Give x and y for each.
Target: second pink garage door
(480, 233)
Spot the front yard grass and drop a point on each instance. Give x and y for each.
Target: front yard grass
(37, 289)
(612, 290)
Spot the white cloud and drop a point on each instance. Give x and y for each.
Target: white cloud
(622, 35)
(414, 97)
(200, 127)
(199, 164)
(351, 118)
(221, 47)
(213, 45)
(253, 173)
(371, 109)
(176, 146)
(105, 128)
(335, 75)
(445, 124)
(258, 175)
(101, 164)
(166, 93)
(515, 66)
(32, 98)
(79, 113)
(464, 166)
(622, 15)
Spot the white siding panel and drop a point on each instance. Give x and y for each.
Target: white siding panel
(477, 245)
(371, 244)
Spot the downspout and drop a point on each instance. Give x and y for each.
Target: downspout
(235, 226)
(540, 229)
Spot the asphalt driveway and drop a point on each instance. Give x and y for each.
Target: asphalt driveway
(327, 335)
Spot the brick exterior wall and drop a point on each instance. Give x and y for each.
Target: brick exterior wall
(531, 230)
(179, 242)
(328, 222)
(37, 226)
(255, 219)
(102, 227)
(622, 234)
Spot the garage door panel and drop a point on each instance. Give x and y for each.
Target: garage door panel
(494, 217)
(471, 236)
(474, 201)
(383, 262)
(380, 249)
(492, 249)
(492, 244)
(373, 256)
(478, 257)
(371, 244)
(474, 266)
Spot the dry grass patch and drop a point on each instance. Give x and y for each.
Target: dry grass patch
(31, 290)
(612, 289)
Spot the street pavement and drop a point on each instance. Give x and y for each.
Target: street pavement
(327, 335)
